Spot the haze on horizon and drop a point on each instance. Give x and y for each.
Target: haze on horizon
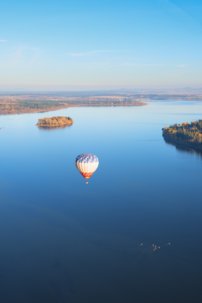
(100, 44)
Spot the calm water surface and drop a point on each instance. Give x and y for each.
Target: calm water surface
(132, 235)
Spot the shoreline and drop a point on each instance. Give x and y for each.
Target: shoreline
(186, 136)
(13, 104)
(42, 106)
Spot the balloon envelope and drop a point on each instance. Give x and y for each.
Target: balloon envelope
(87, 164)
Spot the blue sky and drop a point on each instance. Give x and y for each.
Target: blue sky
(87, 44)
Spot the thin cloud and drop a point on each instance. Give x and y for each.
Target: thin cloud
(181, 65)
(89, 53)
(155, 65)
(25, 55)
(3, 40)
(136, 64)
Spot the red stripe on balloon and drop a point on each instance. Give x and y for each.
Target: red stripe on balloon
(86, 175)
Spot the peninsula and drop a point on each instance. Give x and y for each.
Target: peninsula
(55, 122)
(34, 103)
(43, 102)
(185, 135)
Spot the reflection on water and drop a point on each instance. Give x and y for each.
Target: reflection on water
(183, 148)
(133, 235)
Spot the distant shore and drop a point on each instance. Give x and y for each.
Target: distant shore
(36, 103)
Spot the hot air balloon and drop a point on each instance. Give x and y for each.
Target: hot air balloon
(87, 164)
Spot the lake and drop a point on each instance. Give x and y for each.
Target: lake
(133, 234)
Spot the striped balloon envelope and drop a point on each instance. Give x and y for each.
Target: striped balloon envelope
(87, 164)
